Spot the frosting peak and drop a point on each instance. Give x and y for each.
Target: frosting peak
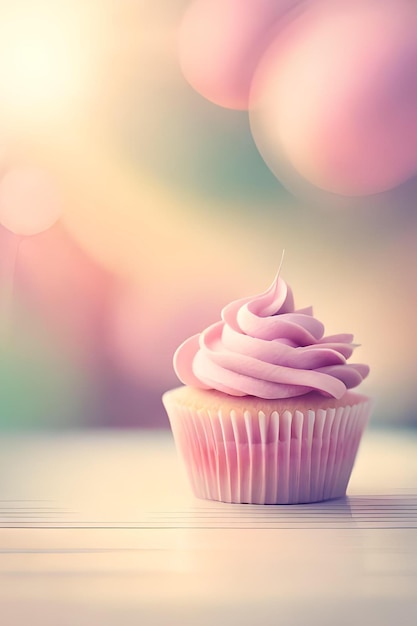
(263, 347)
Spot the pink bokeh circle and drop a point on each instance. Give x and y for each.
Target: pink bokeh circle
(30, 201)
(221, 42)
(339, 99)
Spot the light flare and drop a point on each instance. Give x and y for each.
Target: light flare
(48, 56)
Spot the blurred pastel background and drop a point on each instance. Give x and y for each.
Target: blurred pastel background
(175, 149)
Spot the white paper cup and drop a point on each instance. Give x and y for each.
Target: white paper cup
(268, 456)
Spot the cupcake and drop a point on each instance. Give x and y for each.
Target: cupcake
(266, 414)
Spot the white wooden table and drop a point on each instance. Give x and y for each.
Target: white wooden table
(99, 529)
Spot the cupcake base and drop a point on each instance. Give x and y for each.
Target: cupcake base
(247, 450)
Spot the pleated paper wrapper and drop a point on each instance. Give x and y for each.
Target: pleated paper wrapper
(255, 458)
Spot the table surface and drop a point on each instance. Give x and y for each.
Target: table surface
(100, 528)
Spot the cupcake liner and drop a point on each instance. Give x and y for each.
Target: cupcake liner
(255, 458)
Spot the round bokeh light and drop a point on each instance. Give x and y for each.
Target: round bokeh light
(337, 96)
(30, 201)
(221, 42)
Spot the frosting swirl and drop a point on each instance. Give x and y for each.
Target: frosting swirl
(263, 347)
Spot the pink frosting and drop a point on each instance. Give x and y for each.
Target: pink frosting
(263, 347)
